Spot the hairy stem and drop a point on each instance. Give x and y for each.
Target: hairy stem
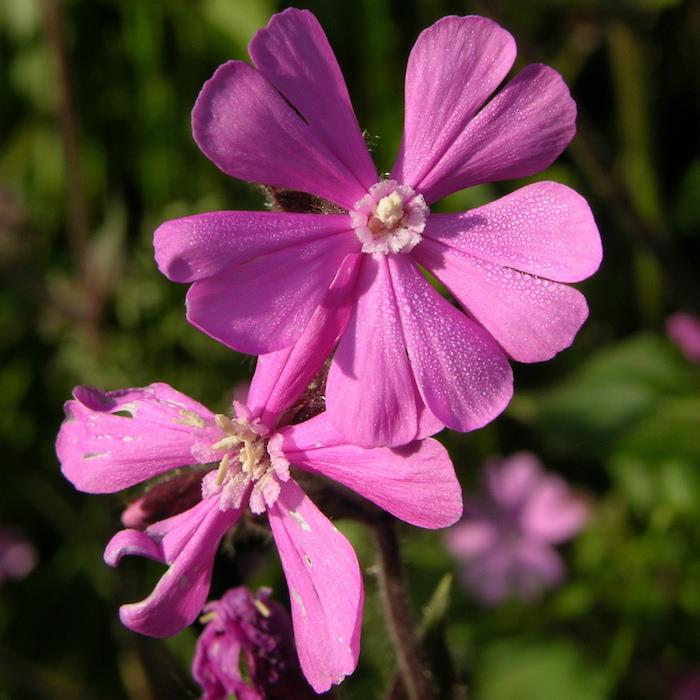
(417, 678)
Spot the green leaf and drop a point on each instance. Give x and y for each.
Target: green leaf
(536, 671)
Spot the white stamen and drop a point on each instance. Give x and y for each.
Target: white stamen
(390, 210)
(223, 470)
(390, 218)
(247, 469)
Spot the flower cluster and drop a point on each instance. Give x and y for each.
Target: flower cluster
(339, 288)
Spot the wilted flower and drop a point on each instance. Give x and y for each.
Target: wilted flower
(684, 330)
(258, 629)
(112, 441)
(17, 556)
(405, 355)
(506, 540)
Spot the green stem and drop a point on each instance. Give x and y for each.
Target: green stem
(417, 678)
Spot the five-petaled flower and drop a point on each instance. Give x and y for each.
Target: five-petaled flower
(112, 441)
(407, 361)
(507, 538)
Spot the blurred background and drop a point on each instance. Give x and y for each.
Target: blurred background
(96, 151)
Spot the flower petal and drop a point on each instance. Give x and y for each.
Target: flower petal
(553, 512)
(454, 67)
(265, 304)
(281, 377)
(510, 482)
(544, 229)
(462, 374)
(325, 588)
(471, 538)
(248, 130)
(294, 56)
(416, 483)
(370, 392)
(531, 318)
(519, 133)
(112, 440)
(188, 543)
(200, 246)
(537, 567)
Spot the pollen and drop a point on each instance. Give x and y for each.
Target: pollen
(246, 468)
(390, 210)
(390, 218)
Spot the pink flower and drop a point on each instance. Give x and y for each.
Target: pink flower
(689, 687)
(684, 330)
(259, 629)
(17, 556)
(407, 361)
(112, 441)
(506, 539)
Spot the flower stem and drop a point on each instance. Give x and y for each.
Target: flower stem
(417, 678)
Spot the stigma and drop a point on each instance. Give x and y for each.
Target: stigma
(390, 218)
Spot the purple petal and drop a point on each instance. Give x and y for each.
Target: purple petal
(454, 67)
(519, 133)
(215, 665)
(471, 538)
(545, 229)
(294, 55)
(552, 512)
(684, 330)
(510, 482)
(187, 543)
(265, 304)
(325, 588)
(370, 391)
(531, 318)
(537, 566)
(248, 130)
(281, 377)
(463, 376)
(416, 483)
(200, 246)
(112, 440)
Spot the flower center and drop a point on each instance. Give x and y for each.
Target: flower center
(390, 218)
(251, 463)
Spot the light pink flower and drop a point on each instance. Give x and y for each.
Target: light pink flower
(258, 629)
(507, 538)
(17, 555)
(112, 441)
(684, 330)
(407, 361)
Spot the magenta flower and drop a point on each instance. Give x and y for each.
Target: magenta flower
(507, 538)
(112, 441)
(17, 556)
(684, 330)
(407, 361)
(258, 629)
(689, 687)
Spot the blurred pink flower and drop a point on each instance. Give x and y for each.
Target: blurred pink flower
(407, 361)
(112, 441)
(506, 538)
(259, 629)
(17, 556)
(689, 687)
(684, 330)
